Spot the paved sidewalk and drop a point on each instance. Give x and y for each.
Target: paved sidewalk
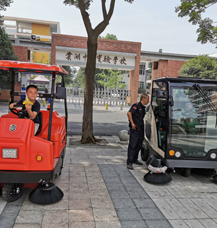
(100, 192)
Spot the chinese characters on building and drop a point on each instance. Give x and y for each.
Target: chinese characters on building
(100, 58)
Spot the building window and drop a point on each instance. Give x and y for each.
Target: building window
(142, 70)
(155, 67)
(141, 85)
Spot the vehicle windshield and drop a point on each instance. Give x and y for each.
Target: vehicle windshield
(193, 120)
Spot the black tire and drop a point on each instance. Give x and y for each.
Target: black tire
(186, 172)
(12, 192)
(144, 152)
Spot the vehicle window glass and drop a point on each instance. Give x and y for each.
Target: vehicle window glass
(193, 120)
(160, 112)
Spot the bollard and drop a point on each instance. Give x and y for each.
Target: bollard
(106, 106)
(121, 106)
(43, 102)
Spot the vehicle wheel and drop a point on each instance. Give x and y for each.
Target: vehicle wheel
(186, 172)
(12, 192)
(144, 152)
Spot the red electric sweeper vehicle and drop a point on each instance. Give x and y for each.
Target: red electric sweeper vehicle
(28, 158)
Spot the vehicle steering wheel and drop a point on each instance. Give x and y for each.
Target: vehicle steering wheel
(19, 113)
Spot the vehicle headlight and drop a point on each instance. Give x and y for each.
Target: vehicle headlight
(178, 154)
(9, 153)
(213, 155)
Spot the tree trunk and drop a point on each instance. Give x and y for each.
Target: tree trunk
(87, 127)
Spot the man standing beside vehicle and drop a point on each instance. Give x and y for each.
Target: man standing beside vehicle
(136, 123)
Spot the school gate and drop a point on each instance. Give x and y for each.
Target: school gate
(111, 54)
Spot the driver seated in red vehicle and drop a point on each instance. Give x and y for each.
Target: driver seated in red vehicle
(33, 109)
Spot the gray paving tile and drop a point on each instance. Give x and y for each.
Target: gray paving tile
(30, 217)
(192, 223)
(108, 224)
(151, 213)
(105, 214)
(81, 225)
(61, 205)
(128, 214)
(133, 187)
(79, 204)
(211, 212)
(194, 209)
(183, 212)
(55, 217)
(99, 194)
(55, 225)
(133, 224)
(112, 180)
(119, 194)
(102, 203)
(28, 206)
(178, 223)
(107, 167)
(141, 203)
(80, 216)
(23, 225)
(166, 209)
(208, 223)
(134, 194)
(123, 203)
(115, 186)
(158, 224)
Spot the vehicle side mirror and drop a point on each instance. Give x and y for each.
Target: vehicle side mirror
(60, 93)
(161, 94)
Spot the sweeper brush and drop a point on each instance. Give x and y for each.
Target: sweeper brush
(157, 173)
(46, 193)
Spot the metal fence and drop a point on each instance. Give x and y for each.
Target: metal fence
(100, 96)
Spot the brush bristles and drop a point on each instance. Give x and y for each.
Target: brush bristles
(44, 196)
(157, 178)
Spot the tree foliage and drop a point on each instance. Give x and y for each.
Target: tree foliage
(6, 53)
(201, 67)
(79, 80)
(207, 31)
(111, 79)
(3, 5)
(109, 37)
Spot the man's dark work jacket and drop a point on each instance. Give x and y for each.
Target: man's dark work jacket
(138, 113)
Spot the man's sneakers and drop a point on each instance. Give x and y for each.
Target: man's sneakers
(129, 166)
(138, 162)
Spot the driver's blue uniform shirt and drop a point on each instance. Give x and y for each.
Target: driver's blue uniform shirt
(138, 113)
(35, 108)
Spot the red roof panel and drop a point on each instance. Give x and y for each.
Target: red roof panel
(31, 67)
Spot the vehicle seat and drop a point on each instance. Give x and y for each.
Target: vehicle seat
(40, 116)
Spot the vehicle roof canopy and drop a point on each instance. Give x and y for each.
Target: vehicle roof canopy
(31, 67)
(186, 79)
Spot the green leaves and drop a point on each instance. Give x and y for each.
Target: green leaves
(109, 37)
(3, 5)
(194, 9)
(111, 79)
(201, 67)
(6, 53)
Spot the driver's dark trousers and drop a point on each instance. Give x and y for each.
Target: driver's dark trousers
(135, 145)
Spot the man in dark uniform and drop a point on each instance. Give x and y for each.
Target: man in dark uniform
(135, 116)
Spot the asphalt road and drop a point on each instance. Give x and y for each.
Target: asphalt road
(105, 122)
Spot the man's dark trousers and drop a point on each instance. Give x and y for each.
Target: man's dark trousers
(135, 145)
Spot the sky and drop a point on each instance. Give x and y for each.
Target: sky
(153, 23)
